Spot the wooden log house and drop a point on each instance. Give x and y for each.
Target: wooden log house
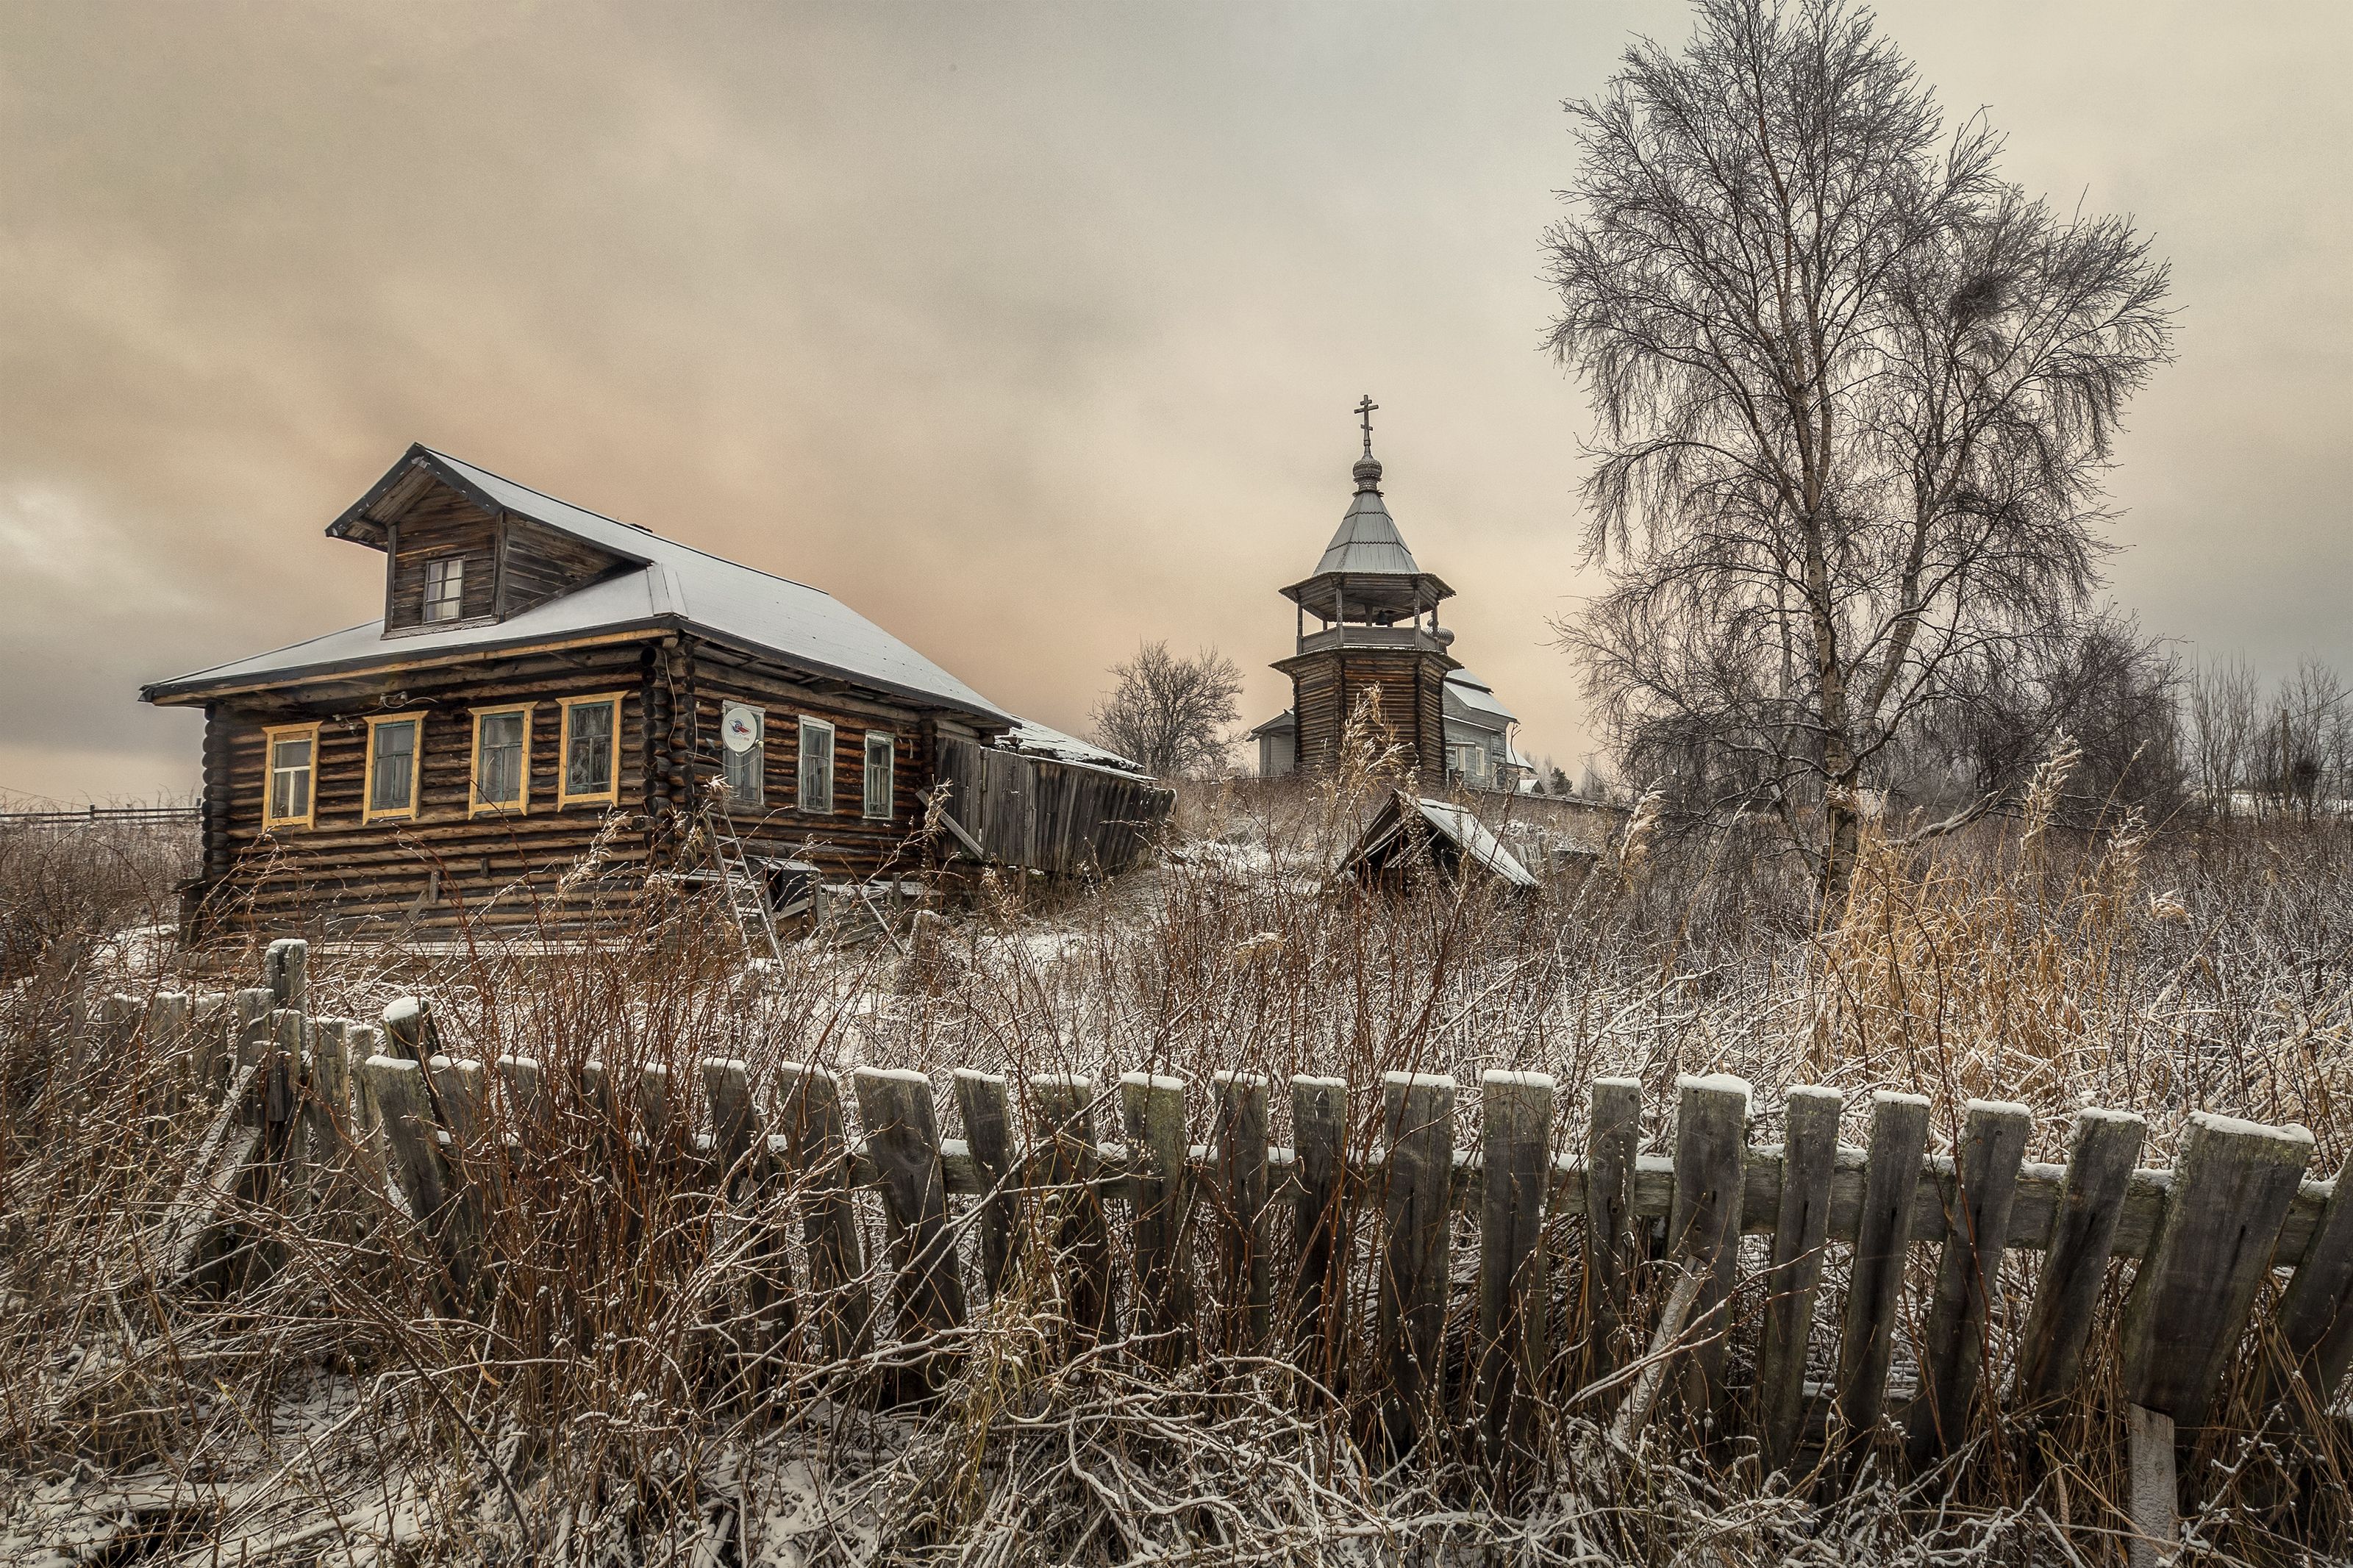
(546, 687)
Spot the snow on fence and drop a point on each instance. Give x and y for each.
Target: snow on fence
(2232, 1225)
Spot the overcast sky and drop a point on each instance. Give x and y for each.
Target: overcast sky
(1028, 332)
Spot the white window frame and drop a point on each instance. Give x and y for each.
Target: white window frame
(611, 793)
(811, 726)
(445, 589)
(520, 805)
(369, 810)
(890, 775)
(271, 737)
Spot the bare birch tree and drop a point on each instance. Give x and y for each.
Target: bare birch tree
(1856, 395)
(2223, 716)
(1171, 714)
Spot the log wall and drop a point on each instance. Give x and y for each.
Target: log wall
(1326, 686)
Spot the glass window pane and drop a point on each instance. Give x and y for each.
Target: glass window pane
(498, 779)
(742, 770)
(816, 765)
(877, 775)
(588, 770)
(390, 784)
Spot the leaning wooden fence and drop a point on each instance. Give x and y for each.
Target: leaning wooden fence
(2232, 1226)
(1060, 817)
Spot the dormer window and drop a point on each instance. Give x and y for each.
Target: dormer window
(445, 588)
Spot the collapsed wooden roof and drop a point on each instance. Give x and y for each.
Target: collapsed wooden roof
(1411, 829)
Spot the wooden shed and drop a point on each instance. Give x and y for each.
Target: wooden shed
(533, 723)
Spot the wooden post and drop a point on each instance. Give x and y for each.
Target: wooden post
(1237, 1143)
(168, 1014)
(2191, 1299)
(520, 1082)
(727, 1090)
(1417, 1178)
(1969, 1272)
(212, 1053)
(397, 1084)
(1152, 1115)
(655, 1112)
(1320, 1208)
(1063, 1125)
(408, 1030)
(1801, 1226)
(286, 973)
(1613, 1145)
(1899, 1137)
(458, 1085)
(2100, 1155)
(903, 1138)
(988, 1134)
(1711, 1159)
(2155, 1498)
(1515, 1114)
(2315, 1315)
(809, 1111)
(326, 1107)
(361, 1041)
(252, 1007)
(281, 1084)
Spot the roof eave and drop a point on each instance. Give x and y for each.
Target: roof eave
(187, 690)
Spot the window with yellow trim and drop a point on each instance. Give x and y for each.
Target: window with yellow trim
(290, 752)
(589, 771)
(501, 768)
(395, 746)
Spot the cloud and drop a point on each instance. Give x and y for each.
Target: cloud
(1030, 331)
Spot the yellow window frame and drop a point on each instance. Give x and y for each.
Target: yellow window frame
(368, 812)
(475, 804)
(270, 736)
(611, 793)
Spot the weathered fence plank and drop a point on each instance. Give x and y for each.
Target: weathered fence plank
(1239, 1151)
(1711, 1154)
(1899, 1136)
(809, 1111)
(1152, 1115)
(988, 1137)
(1516, 1113)
(2315, 1313)
(2100, 1155)
(902, 1137)
(1801, 1231)
(2191, 1299)
(1319, 1211)
(1613, 1152)
(1417, 1129)
(1969, 1272)
(1061, 1108)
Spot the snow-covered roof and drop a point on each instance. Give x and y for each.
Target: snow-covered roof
(1276, 725)
(1468, 697)
(1033, 739)
(672, 584)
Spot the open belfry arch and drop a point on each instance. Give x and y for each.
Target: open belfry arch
(1376, 626)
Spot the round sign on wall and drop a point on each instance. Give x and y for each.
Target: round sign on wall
(739, 726)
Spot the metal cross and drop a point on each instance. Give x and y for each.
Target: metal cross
(1364, 409)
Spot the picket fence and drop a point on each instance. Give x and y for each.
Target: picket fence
(2232, 1226)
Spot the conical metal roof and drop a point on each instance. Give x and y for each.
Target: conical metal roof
(1368, 543)
(1367, 569)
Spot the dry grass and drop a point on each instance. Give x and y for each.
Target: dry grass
(317, 1404)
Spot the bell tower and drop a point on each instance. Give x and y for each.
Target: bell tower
(1376, 626)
